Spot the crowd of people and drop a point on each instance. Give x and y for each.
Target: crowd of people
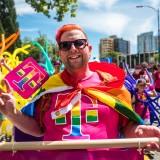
(78, 104)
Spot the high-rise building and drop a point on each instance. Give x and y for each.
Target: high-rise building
(146, 43)
(122, 46)
(106, 45)
(155, 44)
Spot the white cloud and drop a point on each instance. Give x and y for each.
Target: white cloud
(155, 3)
(97, 4)
(135, 29)
(111, 17)
(29, 29)
(108, 23)
(23, 8)
(146, 26)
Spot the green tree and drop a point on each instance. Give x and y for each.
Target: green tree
(8, 24)
(156, 57)
(113, 55)
(34, 50)
(60, 6)
(2, 31)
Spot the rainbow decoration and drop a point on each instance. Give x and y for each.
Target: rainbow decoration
(13, 61)
(55, 84)
(92, 116)
(76, 125)
(27, 77)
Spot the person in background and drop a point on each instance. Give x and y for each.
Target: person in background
(142, 72)
(156, 77)
(57, 66)
(140, 107)
(140, 94)
(121, 65)
(80, 101)
(154, 69)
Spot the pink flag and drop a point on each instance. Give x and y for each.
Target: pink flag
(27, 77)
(124, 154)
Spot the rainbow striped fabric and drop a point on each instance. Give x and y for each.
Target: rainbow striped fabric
(116, 98)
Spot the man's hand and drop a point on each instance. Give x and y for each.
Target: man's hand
(7, 101)
(143, 131)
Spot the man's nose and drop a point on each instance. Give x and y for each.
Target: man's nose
(73, 48)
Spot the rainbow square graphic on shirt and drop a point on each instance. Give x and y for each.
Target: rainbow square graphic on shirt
(91, 116)
(61, 120)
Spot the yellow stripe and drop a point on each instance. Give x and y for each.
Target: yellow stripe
(107, 99)
(92, 112)
(103, 97)
(53, 82)
(146, 157)
(29, 76)
(76, 110)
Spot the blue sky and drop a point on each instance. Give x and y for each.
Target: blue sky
(99, 18)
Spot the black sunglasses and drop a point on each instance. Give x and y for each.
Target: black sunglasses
(66, 45)
(142, 85)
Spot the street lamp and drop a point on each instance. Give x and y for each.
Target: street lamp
(158, 36)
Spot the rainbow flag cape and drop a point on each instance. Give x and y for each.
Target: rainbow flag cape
(111, 92)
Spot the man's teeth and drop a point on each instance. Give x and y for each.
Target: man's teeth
(73, 57)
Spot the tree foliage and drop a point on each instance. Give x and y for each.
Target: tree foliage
(156, 57)
(2, 31)
(112, 55)
(34, 50)
(61, 7)
(8, 23)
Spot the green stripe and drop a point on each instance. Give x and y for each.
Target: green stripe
(25, 79)
(32, 85)
(20, 74)
(76, 120)
(91, 118)
(60, 120)
(128, 113)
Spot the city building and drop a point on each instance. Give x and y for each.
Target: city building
(147, 47)
(113, 44)
(146, 42)
(122, 46)
(106, 45)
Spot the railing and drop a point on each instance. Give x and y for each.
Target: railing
(78, 144)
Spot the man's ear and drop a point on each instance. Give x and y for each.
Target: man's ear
(90, 48)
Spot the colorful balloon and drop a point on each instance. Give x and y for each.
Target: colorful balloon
(12, 61)
(48, 66)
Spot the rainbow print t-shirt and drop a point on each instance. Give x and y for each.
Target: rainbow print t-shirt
(89, 119)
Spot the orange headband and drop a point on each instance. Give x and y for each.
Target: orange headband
(67, 27)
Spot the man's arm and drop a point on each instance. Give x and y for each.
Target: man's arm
(129, 131)
(23, 122)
